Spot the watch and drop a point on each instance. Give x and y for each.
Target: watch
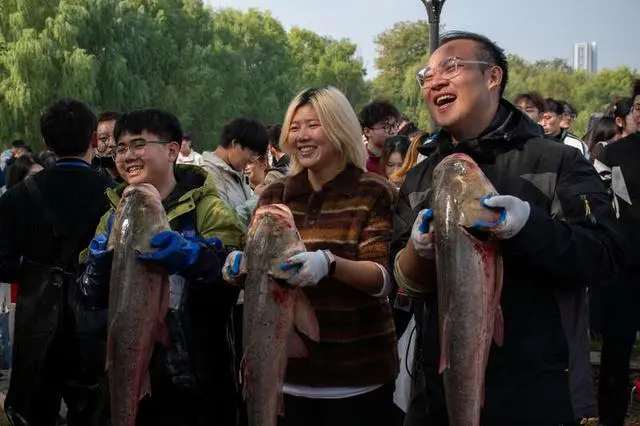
(331, 261)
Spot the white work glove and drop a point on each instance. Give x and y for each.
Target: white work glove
(312, 267)
(515, 214)
(422, 235)
(234, 267)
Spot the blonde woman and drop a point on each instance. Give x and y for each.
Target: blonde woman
(343, 215)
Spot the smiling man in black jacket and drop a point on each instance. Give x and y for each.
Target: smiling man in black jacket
(559, 235)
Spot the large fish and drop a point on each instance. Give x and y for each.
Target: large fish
(138, 300)
(469, 271)
(273, 313)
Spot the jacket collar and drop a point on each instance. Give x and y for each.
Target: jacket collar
(345, 183)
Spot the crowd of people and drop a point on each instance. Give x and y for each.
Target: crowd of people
(359, 189)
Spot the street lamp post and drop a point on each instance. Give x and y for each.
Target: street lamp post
(434, 8)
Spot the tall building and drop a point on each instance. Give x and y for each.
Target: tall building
(585, 57)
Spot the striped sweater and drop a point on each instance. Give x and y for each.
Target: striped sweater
(351, 216)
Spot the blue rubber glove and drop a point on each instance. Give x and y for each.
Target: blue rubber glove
(515, 214)
(174, 251)
(98, 247)
(234, 267)
(312, 267)
(422, 235)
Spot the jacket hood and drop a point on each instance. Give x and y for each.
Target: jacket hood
(192, 183)
(510, 125)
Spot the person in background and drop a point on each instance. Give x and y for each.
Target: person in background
(394, 153)
(44, 224)
(187, 154)
(193, 379)
(600, 134)
(103, 160)
(348, 378)
(407, 128)
(558, 235)
(531, 103)
(622, 111)
(242, 140)
(619, 164)
(17, 148)
(280, 160)
(569, 115)
(256, 172)
(552, 117)
(379, 120)
(23, 167)
(411, 159)
(47, 159)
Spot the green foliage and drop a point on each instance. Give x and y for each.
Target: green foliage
(205, 65)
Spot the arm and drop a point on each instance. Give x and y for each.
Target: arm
(579, 243)
(414, 274)
(369, 273)
(9, 254)
(94, 274)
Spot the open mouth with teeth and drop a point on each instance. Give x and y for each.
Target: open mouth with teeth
(134, 170)
(307, 151)
(445, 100)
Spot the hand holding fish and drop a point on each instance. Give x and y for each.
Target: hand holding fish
(174, 251)
(312, 267)
(515, 214)
(98, 247)
(234, 267)
(422, 235)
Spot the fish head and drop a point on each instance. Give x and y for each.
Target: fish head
(273, 236)
(140, 215)
(460, 181)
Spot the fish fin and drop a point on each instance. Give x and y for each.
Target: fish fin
(498, 327)
(296, 347)
(281, 405)
(145, 386)
(444, 345)
(305, 317)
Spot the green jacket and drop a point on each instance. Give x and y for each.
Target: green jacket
(214, 218)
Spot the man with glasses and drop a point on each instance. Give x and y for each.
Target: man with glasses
(553, 120)
(102, 160)
(558, 234)
(379, 120)
(243, 140)
(193, 380)
(619, 164)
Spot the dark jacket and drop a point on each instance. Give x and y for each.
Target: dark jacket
(541, 374)
(44, 224)
(193, 382)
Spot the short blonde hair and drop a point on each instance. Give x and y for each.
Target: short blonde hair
(339, 123)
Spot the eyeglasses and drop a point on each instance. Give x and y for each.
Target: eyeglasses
(448, 69)
(389, 127)
(137, 146)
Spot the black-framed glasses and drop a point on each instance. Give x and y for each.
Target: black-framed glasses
(447, 69)
(389, 127)
(137, 146)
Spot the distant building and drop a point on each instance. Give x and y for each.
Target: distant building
(585, 57)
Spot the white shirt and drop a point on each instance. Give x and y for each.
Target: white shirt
(193, 158)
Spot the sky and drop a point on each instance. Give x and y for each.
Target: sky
(533, 29)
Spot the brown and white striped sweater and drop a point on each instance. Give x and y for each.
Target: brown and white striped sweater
(352, 217)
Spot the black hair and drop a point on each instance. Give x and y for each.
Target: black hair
(551, 105)
(18, 143)
(408, 130)
(567, 108)
(603, 130)
(153, 120)
(636, 88)
(273, 131)
(46, 159)
(488, 51)
(187, 137)
(399, 143)
(109, 116)
(620, 107)
(248, 132)
(67, 127)
(377, 111)
(534, 98)
(19, 169)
